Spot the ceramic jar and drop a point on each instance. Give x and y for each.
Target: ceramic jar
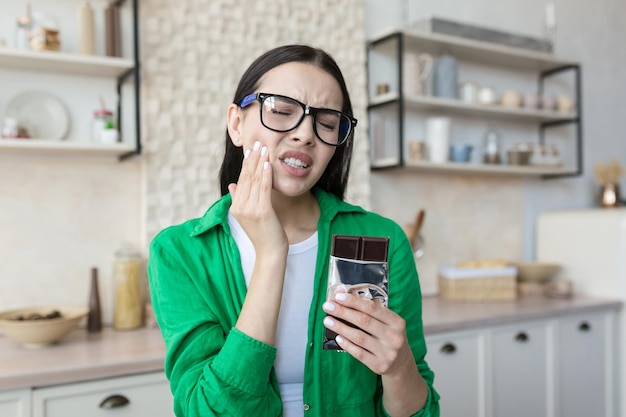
(445, 77)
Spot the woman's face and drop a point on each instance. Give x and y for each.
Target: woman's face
(298, 157)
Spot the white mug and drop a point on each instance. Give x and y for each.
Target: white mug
(468, 92)
(486, 95)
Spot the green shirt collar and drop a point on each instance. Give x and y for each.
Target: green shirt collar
(330, 206)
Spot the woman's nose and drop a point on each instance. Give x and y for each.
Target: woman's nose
(305, 131)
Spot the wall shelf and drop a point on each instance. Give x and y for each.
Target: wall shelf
(500, 169)
(63, 147)
(48, 61)
(68, 65)
(459, 107)
(392, 113)
(472, 50)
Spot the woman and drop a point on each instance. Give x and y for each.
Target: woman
(240, 294)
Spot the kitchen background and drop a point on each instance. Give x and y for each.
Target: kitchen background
(61, 215)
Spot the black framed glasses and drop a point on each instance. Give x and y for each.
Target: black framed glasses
(282, 114)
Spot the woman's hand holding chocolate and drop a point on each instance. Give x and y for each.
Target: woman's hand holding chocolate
(380, 340)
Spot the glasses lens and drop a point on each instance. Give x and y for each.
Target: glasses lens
(332, 127)
(281, 113)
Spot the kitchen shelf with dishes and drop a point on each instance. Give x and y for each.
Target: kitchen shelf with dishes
(38, 122)
(400, 59)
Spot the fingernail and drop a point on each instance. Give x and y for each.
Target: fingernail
(257, 145)
(341, 296)
(266, 165)
(339, 339)
(328, 306)
(263, 150)
(246, 153)
(328, 322)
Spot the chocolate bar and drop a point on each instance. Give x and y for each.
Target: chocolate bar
(358, 265)
(362, 248)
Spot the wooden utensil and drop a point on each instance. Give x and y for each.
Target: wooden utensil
(415, 230)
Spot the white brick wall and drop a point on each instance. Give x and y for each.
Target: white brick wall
(193, 53)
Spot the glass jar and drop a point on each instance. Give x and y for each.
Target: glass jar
(22, 33)
(129, 301)
(102, 120)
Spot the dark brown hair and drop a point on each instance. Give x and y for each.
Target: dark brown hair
(335, 178)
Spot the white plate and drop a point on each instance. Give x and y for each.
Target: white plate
(43, 115)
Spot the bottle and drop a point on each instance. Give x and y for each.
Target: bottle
(94, 319)
(128, 303)
(491, 147)
(112, 41)
(22, 30)
(87, 43)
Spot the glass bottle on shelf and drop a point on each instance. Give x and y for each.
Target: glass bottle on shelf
(491, 147)
(22, 30)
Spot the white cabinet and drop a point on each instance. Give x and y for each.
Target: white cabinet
(553, 367)
(519, 370)
(396, 116)
(585, 347)
(131, 396)
(458, 363)
(15, 403)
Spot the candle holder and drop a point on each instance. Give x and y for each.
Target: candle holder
(610, 195)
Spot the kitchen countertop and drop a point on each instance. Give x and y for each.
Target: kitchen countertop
(81, 356)
(441, 315)
(84, 356)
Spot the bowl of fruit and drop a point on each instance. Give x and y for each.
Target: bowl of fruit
(36, 327)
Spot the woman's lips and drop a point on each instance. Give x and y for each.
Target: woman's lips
(296, 163)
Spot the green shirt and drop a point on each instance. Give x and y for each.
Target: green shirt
(198, 288)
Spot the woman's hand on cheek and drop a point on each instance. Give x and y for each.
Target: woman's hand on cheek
(252, 200)
(380, 342)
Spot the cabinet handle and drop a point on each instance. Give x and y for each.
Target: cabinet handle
(584, 327)
(522, 337)
(114, 401)
(448, 348)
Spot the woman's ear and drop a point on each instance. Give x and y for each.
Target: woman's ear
(234, 119)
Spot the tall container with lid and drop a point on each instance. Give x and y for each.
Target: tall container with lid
(128, 283)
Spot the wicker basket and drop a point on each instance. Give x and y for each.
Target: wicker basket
(476, 284)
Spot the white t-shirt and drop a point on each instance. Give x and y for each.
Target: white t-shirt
(293, 319)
